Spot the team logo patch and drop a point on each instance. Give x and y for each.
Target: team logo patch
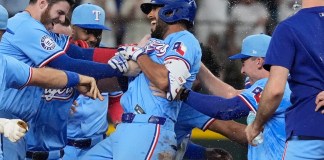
(180, 48)
(47, 43)
(257, 93)
(60, 94)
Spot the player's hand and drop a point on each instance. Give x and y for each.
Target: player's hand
(133, 69)
(157, 92)
(130, 52)
(119, 62)
(14, 129)
(251, 132)
(73, 107)
(88, 87)
(320, 102)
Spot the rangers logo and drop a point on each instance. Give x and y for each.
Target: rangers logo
(60, 94)
(96, 13)
(47, 43)
(180, 48)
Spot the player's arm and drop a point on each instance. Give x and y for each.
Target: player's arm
(230, 129)
(101, 55)
(214, 106)
(214, 85)
(115, 108)
(85, 67)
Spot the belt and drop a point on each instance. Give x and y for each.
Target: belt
(305, 138)
(85, 143)
(43, 155)
(131, 117)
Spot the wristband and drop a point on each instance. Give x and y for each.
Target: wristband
(73, 79)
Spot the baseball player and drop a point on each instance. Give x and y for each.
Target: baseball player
(45, 48)
(296, 54)
(147, 128)
(240, 103)
(16, 74)
(88, 124)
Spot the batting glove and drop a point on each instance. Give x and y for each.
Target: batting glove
(130, 52)
(119, 62)
(13, 129)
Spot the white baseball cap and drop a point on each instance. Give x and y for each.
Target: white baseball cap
(89, 16)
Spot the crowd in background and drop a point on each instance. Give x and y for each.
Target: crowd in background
(220, 26)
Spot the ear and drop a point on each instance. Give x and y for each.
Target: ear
(260, 62)
(43, 4)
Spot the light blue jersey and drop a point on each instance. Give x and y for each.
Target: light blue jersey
(274, 130)
(88, 122)
(139, 93)
(14, 74)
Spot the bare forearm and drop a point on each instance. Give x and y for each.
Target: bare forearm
(156, 73)
(214, 85)
(48, 78)
(230, 129)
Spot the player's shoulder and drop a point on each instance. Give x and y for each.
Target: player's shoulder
(185, 39)
(23, 22)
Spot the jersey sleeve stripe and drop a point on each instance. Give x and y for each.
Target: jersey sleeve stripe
(248, 103)
(179, 58)
(29, 78)
(208, 123)
(45, 62)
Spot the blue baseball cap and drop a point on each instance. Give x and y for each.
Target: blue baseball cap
(3, 18)
(253, 46)
(89, 16)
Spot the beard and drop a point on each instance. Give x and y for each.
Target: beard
(46, 19)
(160, 29)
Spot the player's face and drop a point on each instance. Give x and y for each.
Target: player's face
(249, 69)
(158, 27)
(91, 36)
(55, 14)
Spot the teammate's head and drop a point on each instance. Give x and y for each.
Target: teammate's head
(88, 21)
(253, 52)
(165, 12)
(3, 20)
(51, 11)
(63, 28)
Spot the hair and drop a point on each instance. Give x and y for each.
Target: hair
(51, 2)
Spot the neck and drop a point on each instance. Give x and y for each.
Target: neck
(312, 3)
(34, 12)
(174, 28)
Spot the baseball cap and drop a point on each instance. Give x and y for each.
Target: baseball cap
(89, 16)
(3, 18)
(253, 46)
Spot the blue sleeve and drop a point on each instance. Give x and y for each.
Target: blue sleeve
(218, 107)
(77, 52)
(17, 74)
(84, 67)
